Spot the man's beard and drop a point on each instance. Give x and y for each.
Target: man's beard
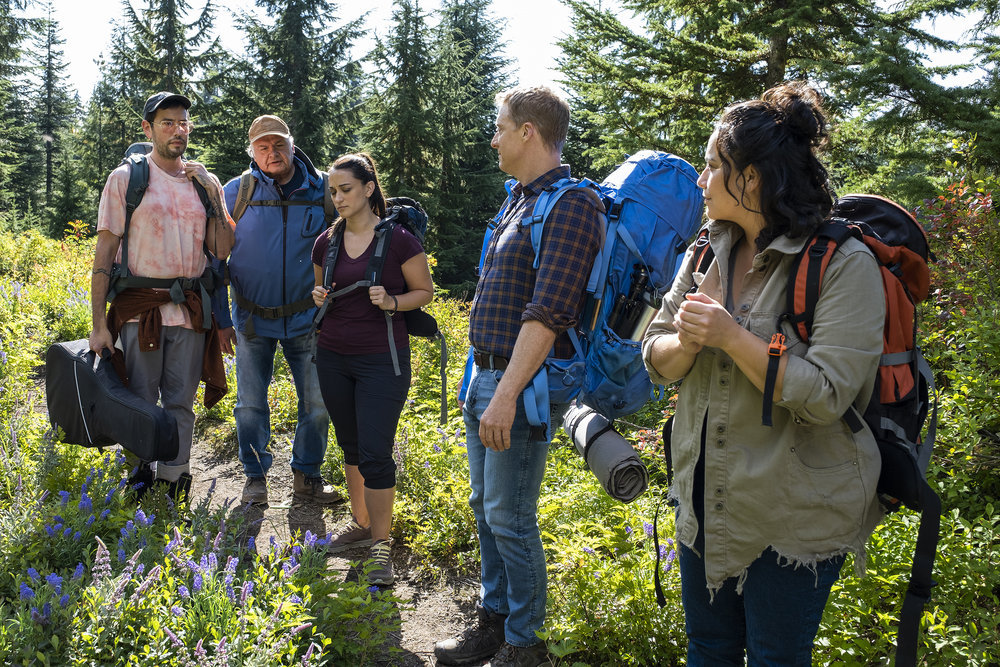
(169, 152)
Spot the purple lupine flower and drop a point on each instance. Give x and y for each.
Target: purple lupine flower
(588, 550)
(173, 638)
(68, 531)
(85, 504)
(26, 592)
(196, 583)
(310, 539)
(102, 561)
(50, 530)
(64, 600)
(251, 543)
(436, 447)
(183, 591)
(176, 611)
(64, 498)
(373, 589)
(648, 527)
(121, 555)
(76, 536)
(140, 516)
(78, 572)
(246, 591)
(33, 574)
(109, 496)
(104, 514)
(231, 564)
(628, 530)
(671, 557)
(140, 568)
(91, 520)
(296, 551)
(213, 562)
(295, 599)
(191, 565)
(57, 520)
(230, 593)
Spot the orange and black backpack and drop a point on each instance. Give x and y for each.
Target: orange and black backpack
(904, 391)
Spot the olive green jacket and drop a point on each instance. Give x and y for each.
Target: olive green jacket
(806, 485)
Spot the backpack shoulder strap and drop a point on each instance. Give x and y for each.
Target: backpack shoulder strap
(703, 253)
(543, 207)
(492, 225)
(138, 182)
(805, 280)
(244, 194)
(383, 238)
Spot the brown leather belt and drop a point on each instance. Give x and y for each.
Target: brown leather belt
(489, 362)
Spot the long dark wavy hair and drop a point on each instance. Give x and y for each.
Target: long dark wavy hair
(779, 135)
(362, 166)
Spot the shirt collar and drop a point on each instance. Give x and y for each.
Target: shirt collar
(783, 244)
(545, 180)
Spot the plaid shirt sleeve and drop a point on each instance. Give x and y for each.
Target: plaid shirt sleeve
(571, 239)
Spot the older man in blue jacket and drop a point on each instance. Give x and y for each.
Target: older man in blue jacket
(271, 279)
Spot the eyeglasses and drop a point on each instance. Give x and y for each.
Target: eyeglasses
(168, 124)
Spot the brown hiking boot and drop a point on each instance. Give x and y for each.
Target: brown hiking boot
(350, 536)
(255, 491)
(520, 656)
(313, 488)
(480, 641)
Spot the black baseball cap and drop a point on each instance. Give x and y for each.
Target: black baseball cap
(160, 99)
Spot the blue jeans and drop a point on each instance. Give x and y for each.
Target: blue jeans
(254, 370)
(774, 620)
(505, 490)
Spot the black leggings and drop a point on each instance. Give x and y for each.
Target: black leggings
(364, 398)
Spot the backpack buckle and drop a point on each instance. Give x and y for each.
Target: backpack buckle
(777, 345)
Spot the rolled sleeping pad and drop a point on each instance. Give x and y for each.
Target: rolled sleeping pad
(608, 455)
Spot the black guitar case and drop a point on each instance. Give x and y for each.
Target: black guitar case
(88, 401)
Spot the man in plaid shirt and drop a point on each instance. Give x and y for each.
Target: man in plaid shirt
(519, 315)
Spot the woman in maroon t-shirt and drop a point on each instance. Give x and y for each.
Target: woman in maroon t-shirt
(359, 384)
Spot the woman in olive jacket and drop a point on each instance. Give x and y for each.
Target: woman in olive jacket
(766, 514)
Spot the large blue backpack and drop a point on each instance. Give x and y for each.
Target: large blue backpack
(653, 207)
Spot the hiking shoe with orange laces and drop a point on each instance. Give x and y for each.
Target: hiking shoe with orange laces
(381, 573)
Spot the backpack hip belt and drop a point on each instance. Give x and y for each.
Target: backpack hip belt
(206, 284)
(269, 312)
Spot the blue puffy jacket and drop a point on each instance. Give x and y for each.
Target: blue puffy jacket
(271, 260)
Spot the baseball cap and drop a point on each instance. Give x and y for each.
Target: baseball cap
(265, 125)
(163, 98)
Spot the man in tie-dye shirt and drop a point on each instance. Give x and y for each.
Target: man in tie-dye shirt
(164, 342)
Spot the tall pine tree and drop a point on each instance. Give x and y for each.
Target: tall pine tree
(663, 88)
(472, 72)
(399, 122)
(164, 51)
(54, 104)
(304, 73)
